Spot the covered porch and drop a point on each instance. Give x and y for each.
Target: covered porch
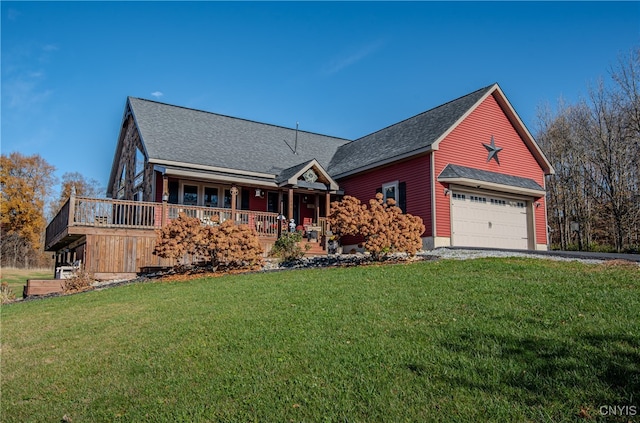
(303, 193)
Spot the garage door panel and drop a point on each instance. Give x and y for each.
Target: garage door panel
(485, 221)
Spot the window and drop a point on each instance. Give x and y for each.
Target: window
(199, 194)
(211, 196)
(498, 202)
(190, 195)
(272, 202)
(390, 191)
(477, 199)
(139, 167)
(457, 196)
(121, 183)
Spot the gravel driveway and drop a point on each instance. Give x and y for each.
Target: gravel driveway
(464, 254)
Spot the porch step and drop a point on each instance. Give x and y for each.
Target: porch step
(315, 250)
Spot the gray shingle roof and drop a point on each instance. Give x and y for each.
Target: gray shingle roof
(456, 171)
(413, 134)
(192, 136)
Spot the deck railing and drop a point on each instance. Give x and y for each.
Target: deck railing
(59, 223)
(109, 213)
(116, 213)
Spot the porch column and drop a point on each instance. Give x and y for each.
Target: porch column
(290, 206)
(165, 198)
(234, 197)
(327, 211)
(327, 206)
(316, 198)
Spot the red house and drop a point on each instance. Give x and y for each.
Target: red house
(469, 168)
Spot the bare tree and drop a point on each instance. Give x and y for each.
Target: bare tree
(626, 76)
(83, 187)
(569, 196)
(593, 145)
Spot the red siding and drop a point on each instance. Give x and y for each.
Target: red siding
(463, 146)
(416, 173)
(257, 203)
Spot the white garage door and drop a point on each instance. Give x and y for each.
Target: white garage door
(486, 221)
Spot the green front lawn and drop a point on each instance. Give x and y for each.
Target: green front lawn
(466, 341)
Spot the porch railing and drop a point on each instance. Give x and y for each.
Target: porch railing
(265, 223)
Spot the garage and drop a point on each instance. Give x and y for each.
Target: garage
(483, 220)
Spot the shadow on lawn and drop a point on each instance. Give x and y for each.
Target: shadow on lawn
(599, 369)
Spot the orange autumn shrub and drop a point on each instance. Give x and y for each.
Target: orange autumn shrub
(227, 245)
(383, 226)
(234, 246)
(181, 237)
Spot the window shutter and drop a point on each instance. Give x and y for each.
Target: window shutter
(402, 196)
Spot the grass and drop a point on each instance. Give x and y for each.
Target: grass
(463, 341)
(17, 278)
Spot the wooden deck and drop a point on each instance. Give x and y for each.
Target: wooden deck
(115, 238)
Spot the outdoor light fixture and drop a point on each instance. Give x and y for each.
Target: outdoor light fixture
(165, 197)
(446, 191)
(537, 204)
(259, 193)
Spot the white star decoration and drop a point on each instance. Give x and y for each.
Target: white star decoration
(493, 150)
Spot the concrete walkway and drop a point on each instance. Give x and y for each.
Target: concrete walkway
(569, 254)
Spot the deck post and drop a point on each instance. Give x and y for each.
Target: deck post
(72, 207)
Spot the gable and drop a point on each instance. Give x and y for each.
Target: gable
(501, 109)
(465, 144)
(307, 175)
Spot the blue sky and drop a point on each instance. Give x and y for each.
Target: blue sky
(341, 69)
